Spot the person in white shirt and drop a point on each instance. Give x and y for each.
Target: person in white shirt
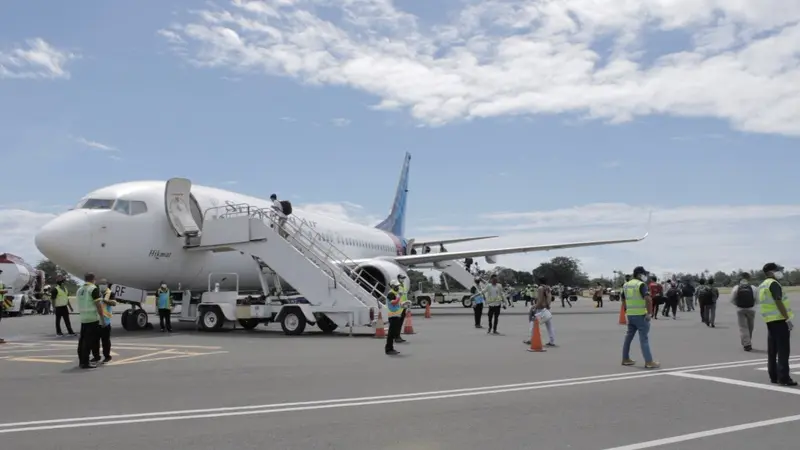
(744, 296)
(495, 299)
(277, 207)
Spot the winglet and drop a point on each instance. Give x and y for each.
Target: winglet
(647, 229)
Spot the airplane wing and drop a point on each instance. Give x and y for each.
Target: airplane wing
(448, 241)
(410, 260)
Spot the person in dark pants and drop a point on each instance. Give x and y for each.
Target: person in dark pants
(91, 311)
(477, 302)
(672, 298)
(401, 289)
(495, 299)
(60, 297)
(393, 305)
(105, 324)
(777, 313)
(164, 305)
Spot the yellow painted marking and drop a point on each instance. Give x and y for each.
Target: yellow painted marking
(115, 345)
(146, 346)
(42, 360)
(136, 358)
(162, 358)
(177, 346)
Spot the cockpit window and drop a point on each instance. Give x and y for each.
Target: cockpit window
(96, 203)
(130, 207)
(138, 207)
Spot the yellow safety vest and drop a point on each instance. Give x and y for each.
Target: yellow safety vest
(62, 297)
(635, 304)
(394, 310)
(403, 295)
(7, 302)
(769, 310)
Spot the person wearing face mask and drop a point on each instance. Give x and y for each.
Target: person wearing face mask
(777, 313)
(639, 308)
(495, 299)
(60, 297)
(164, 305)
(108, 302)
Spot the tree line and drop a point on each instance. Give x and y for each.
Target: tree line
(561, 269)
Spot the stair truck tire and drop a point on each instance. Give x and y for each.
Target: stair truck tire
(211, 319)
(124, 319)
(423, 302)
(248, 324)
(293, 322)
(466, 301)
(326, 324)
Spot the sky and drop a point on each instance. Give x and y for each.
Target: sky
(539, 121)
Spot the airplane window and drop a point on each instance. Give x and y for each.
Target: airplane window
(96, 203)
(122, 206)
(138, 207)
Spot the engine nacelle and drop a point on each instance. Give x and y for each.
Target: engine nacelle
(378, 273)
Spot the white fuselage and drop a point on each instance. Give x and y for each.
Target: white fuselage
(122, 233)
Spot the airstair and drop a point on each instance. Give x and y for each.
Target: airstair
(287, 247)
(457, 271)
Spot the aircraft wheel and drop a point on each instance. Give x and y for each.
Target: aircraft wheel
(137, 320)
(326, 324)
(124, 319)
(293, 322)
(466, 302)
(248, 324)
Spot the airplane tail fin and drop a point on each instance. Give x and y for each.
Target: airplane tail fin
(395, 223)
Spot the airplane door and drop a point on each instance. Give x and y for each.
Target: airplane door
(178, 204)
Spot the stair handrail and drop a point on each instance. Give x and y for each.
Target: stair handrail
(331, 254)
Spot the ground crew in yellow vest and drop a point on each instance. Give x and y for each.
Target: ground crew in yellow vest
(3, 305)
(404, 304)
(164, 306)
(60, 298)
(495, 299)
(90, 305)
(105, 326)
(393, 304)
(777, 313)
(639, 308)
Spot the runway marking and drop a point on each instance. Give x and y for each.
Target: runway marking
(768, 387)
(706, 433)
(78, 422)
(162, 358)
(147, 344)
(791, 366)
(42, 360)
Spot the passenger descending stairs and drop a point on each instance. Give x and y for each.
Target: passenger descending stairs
(304, 258)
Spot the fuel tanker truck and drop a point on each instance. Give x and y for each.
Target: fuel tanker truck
(21, 285)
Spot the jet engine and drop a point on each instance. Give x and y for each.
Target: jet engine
(377, 274)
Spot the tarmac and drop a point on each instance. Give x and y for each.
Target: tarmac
(453, 387)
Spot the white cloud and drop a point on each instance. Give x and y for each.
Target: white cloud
(342, 211)
(19, 227)
(340, 122)
(611, 164)
(510, 57)
(95, 145)
(38, 59)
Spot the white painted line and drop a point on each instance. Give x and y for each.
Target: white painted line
(319, 405)
(791, 366)
(706, 433)
(768, 387)
(344, 402)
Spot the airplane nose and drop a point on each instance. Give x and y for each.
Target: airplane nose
(65, 240)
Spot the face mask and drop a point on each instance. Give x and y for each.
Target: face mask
(163, 286)
(643, 277)
(778, 275)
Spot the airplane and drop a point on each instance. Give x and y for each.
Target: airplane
(123, 233)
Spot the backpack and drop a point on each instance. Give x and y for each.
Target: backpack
(287, 207)
(745, 298)
(688, 290)
(673, 293)
(704, 294)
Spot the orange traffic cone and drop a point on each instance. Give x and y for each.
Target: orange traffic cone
(623, 320)
(379, 331)
(536, 338)
(428, 310)
(409, 327)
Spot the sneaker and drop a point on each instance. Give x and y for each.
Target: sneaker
(60, 335)
(748, 348)
(550, 344)
(73, 335)
(94, 360)
(495, 332)
(652, 365)
(526, 342)
(106, 360)
(88, 366)
(788, 382)
(392, 353)
(489, 331)
(628, 362)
